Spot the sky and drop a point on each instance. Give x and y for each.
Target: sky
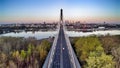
(35, 11)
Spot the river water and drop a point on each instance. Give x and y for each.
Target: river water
(47, 34)
(77, 34)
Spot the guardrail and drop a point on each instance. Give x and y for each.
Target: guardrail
(74, 60)
(49, 58)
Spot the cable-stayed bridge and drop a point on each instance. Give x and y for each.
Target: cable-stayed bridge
(61, 54)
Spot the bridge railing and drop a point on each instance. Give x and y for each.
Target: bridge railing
(74, 60)
(49, 58)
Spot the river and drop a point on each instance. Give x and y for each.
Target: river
(47, 34)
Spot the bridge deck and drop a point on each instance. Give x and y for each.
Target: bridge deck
(61, 54)
(61, 57)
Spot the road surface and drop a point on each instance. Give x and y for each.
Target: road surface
(61, 57)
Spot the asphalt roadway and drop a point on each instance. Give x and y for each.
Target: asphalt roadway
(61, 57)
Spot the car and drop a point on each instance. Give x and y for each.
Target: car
(63, 48)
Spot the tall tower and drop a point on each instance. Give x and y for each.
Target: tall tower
(61, 15)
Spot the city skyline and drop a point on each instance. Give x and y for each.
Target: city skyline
(30, 11)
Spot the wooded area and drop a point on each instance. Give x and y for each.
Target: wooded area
(98, 52)
(16, 52)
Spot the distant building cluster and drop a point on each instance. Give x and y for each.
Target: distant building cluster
(77, 26)
(6, 28)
